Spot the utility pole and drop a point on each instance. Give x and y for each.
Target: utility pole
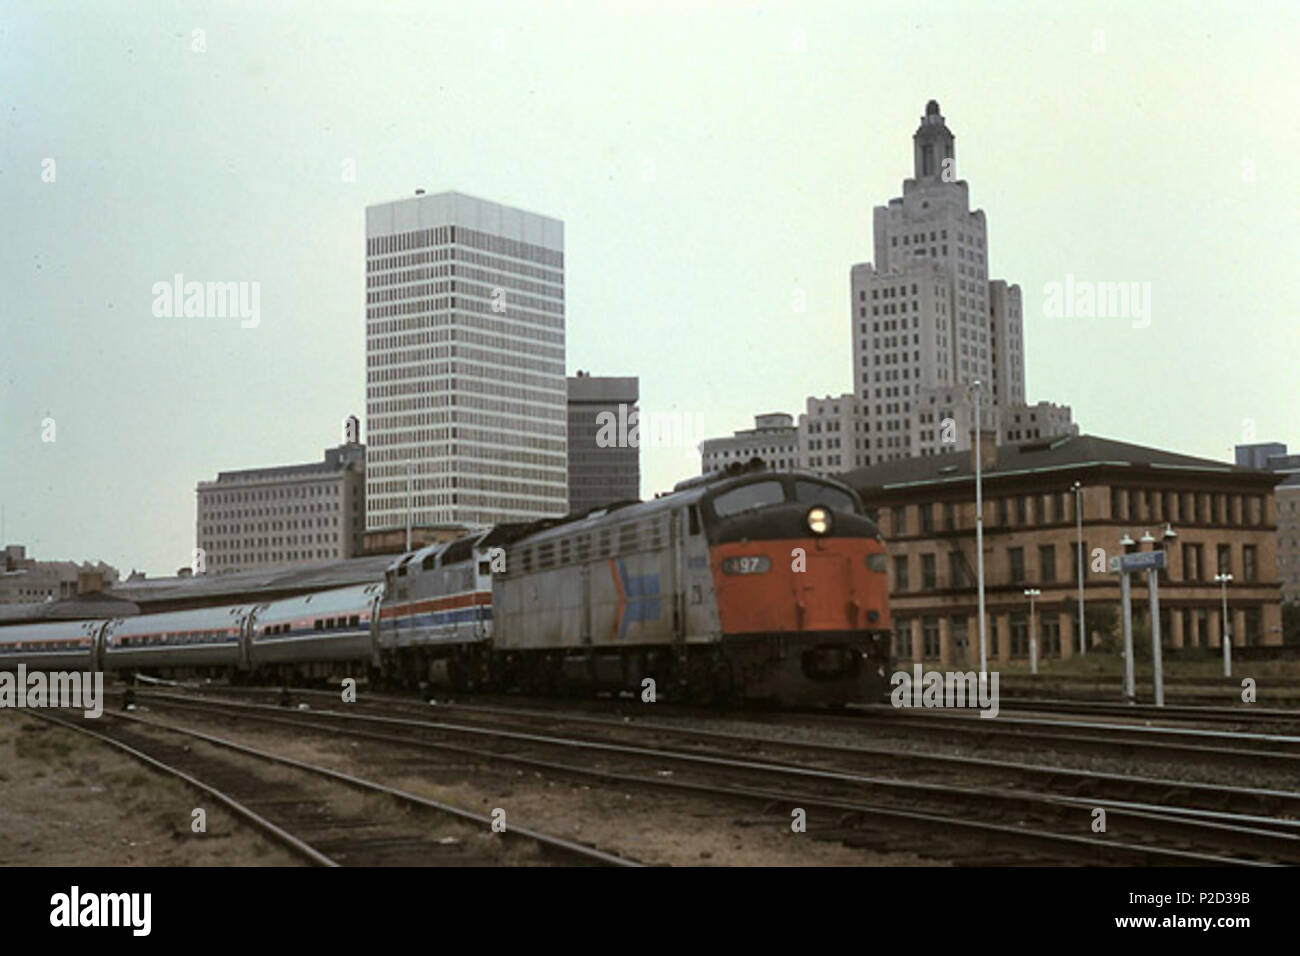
(979, 527)
(1226, 639)
(1078, 520)
(1032, 593)
(1153, 586)
(408, 504)
(1126, 607)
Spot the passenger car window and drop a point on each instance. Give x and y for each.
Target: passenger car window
(748, 497)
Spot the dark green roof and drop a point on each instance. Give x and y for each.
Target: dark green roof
(1064, 453)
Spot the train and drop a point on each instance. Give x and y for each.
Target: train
(741, 586)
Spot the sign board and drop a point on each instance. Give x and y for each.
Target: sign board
(1142, 561)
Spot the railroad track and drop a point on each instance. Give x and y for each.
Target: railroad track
(1221, 747)
(1211, 746)
(1240, 714)
(307, 815)
(1191, 691)
(1046, 826)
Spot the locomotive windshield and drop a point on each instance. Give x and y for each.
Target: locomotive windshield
(772, 491)
(748, 497)
(816, 493)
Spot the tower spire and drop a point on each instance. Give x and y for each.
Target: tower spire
(933, 154)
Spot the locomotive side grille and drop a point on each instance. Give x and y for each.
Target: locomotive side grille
(627, 538)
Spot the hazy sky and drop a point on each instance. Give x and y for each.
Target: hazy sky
(714, 165)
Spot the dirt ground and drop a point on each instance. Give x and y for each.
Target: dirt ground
(655, 829)
(68, 800)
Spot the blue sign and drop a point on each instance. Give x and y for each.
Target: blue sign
(1143, 561)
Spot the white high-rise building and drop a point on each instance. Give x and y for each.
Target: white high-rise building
(465, 372)
(926, 319)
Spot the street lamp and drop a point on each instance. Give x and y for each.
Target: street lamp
(408, 504)
(1126, 612)
(1032, 593)
(1223, 580)
(1078, 522)
(976, 388)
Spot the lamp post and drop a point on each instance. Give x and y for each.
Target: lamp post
(1126, 612)
(1223, 580)
(976, 388)
(408, 504)
(1078, 522)
(1032, 593)
(1153, 599)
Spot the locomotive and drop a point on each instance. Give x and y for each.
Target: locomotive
(752, 585)
(741, 586)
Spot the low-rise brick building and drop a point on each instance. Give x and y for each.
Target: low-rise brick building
(1210, 516)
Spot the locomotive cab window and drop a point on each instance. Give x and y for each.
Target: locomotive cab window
(760, 494)
(828, 496)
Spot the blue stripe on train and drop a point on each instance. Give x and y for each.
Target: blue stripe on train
(434, 618)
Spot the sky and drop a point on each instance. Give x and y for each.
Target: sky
(715, 166)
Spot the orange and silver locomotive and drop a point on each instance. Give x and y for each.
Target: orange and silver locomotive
(749, 585)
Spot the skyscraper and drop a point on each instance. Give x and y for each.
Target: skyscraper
(927, 321)
(604, 454)
(465, 383)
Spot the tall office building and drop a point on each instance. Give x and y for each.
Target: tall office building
(926, 323)
(465, 383)
(604, 452)
(926, 319)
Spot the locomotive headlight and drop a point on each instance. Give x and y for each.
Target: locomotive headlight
(819, 520)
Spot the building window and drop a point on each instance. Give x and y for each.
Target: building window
(900, 573)
(930, 636)
(949, 516)
(957, 576)
(1249, 563)
(1019, 634)
(1047, 563)
(1049, 629)
(899, 524)
(929, 579)
(1022, 510)
(903, 638)
(1192, 562)
(1016, 560)
(1224, 555)
(1253, 625)
(927, 518)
